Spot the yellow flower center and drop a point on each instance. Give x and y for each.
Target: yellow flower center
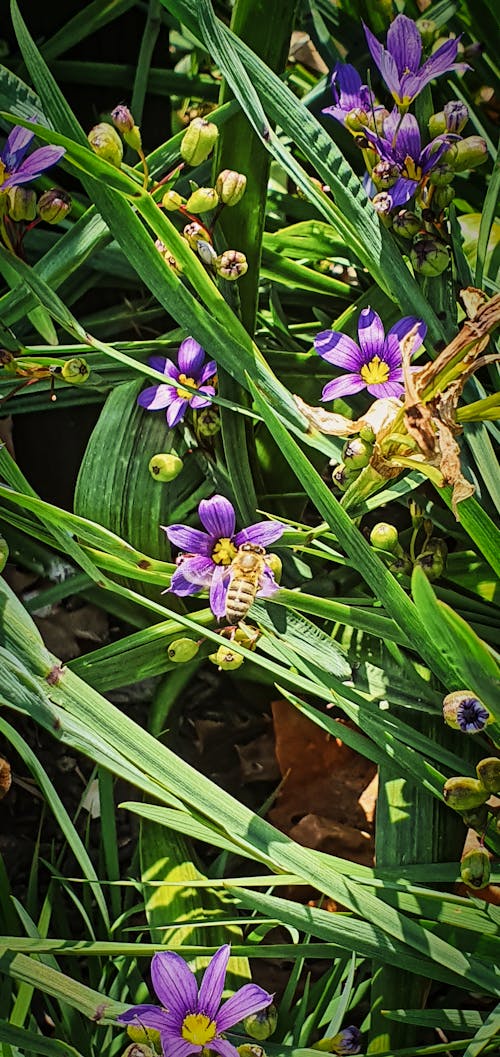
(184, 393)
(375, 372)
(198, 1029)
(224, 552)
(411, 171)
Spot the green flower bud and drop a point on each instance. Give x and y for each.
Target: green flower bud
(182, 650)
(274, 563)
(230, 186)
(122, 120)
(207, 422)
(341, 477)
(262, 1024)
(475, 868)
(462, 710)
(226, 659)
(75, 371)
(464, 794)
(356, 120)
(437, 124)
(382, 204)
(443, 196)
(384, 175)
(406, 223)
(198, 141)
(105, 142)
(247, 1050)
(356, 454)
(231, 265)
(21, 203)
(477, 818)
(442, 174)
(165, 466)
(347, 1041)
(456, 115)
(172, 201)
(384, 537)
(167, 257)
(143, 1036)
(375, 122)
(428, 30)
(488, 772)
(429, 256)
(194, 233)
(54, 205)
(4, 553)
(202, 200)
(470, 152)
(433, 559)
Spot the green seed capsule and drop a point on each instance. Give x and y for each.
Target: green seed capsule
(75, 371)
(105, 142)
(231, 265)
(54, 205)
(142, 1036)
(488, 772)
(202, 200)
(356, 454)
(198, 141)
(21, 203)
(230, 186)
(477, 818)
(475, 868)
(182, 650)
(384, 537)
(429, 256)
(262, 1024)
(165, 467)
(247, 1050)
(226, 659)
(464, 794)
(172, 201)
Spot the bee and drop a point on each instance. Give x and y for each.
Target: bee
(246, 571)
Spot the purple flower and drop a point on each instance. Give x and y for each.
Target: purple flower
(350, 94)
(208, 555)
(399, 63)
(191, 370)
(347, 1041)
(374, 364)
(401, 146)
(190, 1020)
(14, 170)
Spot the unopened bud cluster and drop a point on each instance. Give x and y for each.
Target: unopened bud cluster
(469, 796)
(22, 205)
(384, 538)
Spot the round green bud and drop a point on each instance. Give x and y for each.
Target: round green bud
(231, 265)
(226, 659)
(356, 119)
(194, 233)
(470, 152)
(384, 175)
(202, 200)
(172, 201)
(207, 422)
(432, 559)
(428, 30)
(488, 772)
(21, 203)
(341, 477)
(274, 563)
(475, 868)
(54, 205)
(105, 142)
(165, 467)
(262, 1024)
(429, 256)
(182, 650)
(437, 124)
(230, 186)
(247, 1050)
(384, 537)
(401, 566)
(122, 119)
(4, 553)
(443, 197)
(477, 818)
(75, 371)
(442, 175)
(464, 794)
(356, 454)
(198, 141)
(406, 223)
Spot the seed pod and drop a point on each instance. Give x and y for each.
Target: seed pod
(429, 256)
(105, 142)
(442, 174)
(182, 650)
(230, 186)
(432, 559)
(21, 203)
(475, 868)
(75, 371)
(247, 1050)
(356, 454)
(274, 563)
(207, 422)
(138, 1049)
(198, 141)
(262, 1024)
(194, 233)
(470, 152)
(144, 1036)
(226, 659)
(202, 200)
(165, 467)
(464, 794)
(341, 477)
(443, 196)
(477, 818)
(206, 252)
(384, 537)
(406, 223)
(463, 711)
(382, 204)
(356, 120)
(54, 205)
(488, 772)
(231, 265)
(172, 201)
(384, 174)
(4, 553)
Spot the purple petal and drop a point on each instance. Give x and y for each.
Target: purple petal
(441, 61)
(190, 358)
(403, 327)
(175, 1046)
(431, 154)
(408, 141)
(224, 1048)
(371, 334)
(189, 539)
(402, 191)
(164, 366)
(176, 411)
(174, 983)
(390, 75)
(197, 571)
(37, 162)
(405, 44)
(15, 148)
(145, 1016)
(249, 999)
(202, 401)
(339, 387)
(208, 371)
(218, 591)
(346, 85)
(374, 45)
(218, 517)
(335, 111)
(392, 353)
(212, 985)
(180, 586)
(338, 349)
(156, 397)
(263, 533)
(267, 585)
(385, 389)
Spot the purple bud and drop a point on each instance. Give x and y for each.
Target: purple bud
(54, 205)
(456, 115)
(122, 118)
